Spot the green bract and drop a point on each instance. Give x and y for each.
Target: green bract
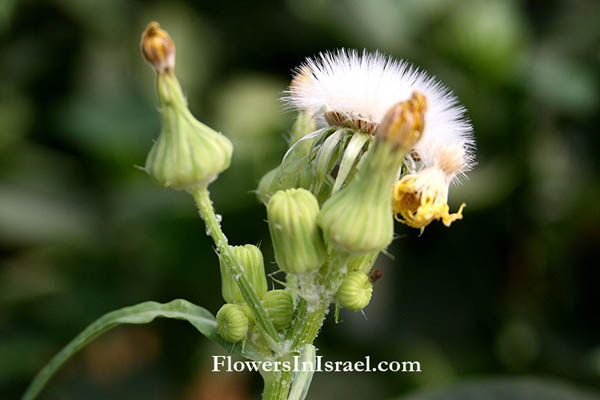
(363, 263)
(187, 155)
(358, 218)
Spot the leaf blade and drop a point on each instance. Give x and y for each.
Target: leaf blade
(141, 313)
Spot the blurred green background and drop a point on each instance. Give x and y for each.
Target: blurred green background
(510, 292)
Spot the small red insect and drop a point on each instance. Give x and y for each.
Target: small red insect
(375, 275)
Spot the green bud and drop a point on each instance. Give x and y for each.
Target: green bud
(251, 259)
(297, 240)
(276, 180)
(359, 218)
(187, 155)
(305, 123)
(355, 291)
(266, 185)
(232, 323)
(280, 307)
(294, 171)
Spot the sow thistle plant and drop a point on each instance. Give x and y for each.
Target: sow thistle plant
(374, 139)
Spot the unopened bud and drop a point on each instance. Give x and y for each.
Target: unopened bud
(404, 123)
(279, 304)
(251, 259)
(297, 239)
(187, 155)
(358, 218)
(294, 171)
(278, 179)
(355, 291)
(232, 323)
(158, 48)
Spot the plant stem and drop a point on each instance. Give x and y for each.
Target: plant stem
(277, 385)
(298, 319)
(308, 319)
(213, 228)
(331, 279)
(311, 326)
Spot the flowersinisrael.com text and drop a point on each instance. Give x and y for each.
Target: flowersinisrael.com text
(295, 364)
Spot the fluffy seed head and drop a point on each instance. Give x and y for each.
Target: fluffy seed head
(352, 89)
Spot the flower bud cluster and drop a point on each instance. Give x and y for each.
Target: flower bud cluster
(363, 120)
(237, 318)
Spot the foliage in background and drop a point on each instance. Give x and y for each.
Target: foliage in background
(512, 291)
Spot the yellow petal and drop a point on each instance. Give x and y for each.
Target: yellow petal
(421, 198)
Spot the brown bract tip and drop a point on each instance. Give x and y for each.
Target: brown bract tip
(404, 123)
(158, 48)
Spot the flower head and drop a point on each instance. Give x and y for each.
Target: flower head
(356, 90)
(365, 92)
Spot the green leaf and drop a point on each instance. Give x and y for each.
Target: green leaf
(142, 313)
(506, 389)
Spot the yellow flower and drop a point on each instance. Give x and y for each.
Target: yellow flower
(423, 197)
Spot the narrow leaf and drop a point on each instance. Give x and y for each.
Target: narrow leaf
(141, 313)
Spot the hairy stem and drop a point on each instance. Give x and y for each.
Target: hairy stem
(331, 278)
(205, 207)
(298, 319)
(311, 326)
